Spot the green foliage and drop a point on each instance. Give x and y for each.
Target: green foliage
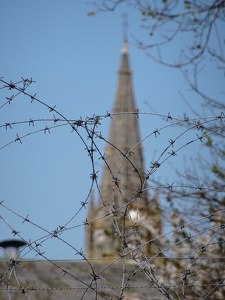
(187, 5)
(91, 13)
(214, 169)
(209, 142)
(218, 172)
(148, 14)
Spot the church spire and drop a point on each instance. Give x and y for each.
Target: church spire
(122, 184)
(124, 135)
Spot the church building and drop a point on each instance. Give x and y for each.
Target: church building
(125, 220)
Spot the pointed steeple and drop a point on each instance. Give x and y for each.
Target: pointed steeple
(123, 152)
(124, 98)
(123, 180)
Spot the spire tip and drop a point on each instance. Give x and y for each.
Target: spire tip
(125, 27)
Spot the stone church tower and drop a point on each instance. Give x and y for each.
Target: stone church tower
(124, 217)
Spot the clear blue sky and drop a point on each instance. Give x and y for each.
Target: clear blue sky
(74, 60)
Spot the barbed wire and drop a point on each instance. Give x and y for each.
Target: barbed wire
(191, 245)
